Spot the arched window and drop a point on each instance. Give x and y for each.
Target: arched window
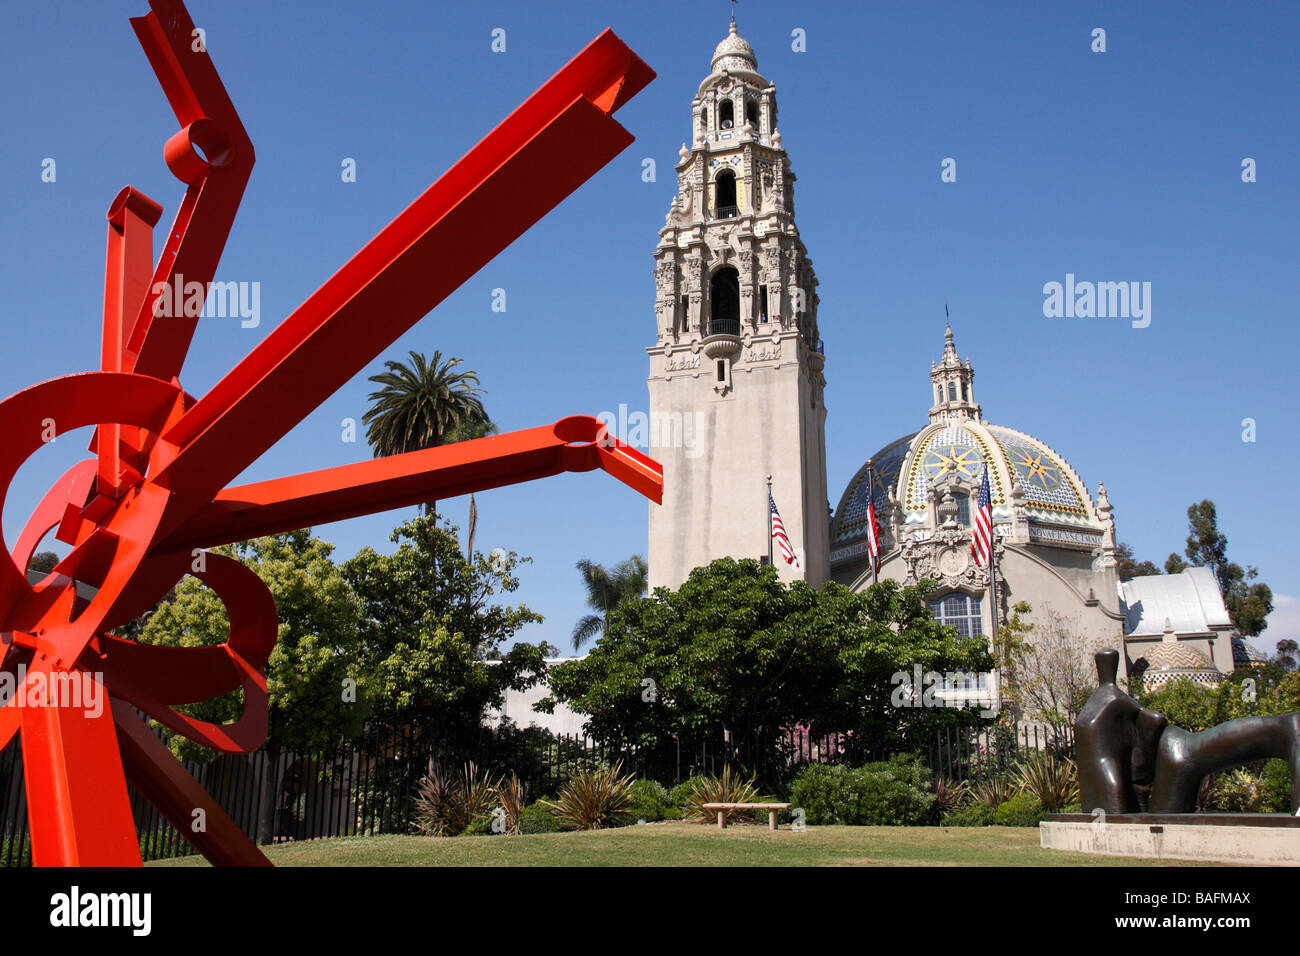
(751, 112)
(724, 302)
(726, 115)
(724, 195)
(965, 392)
(960, 611)
(952, 391)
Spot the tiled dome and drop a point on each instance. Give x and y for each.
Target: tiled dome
(734, 53)
(1246, 655)
(1170, 660)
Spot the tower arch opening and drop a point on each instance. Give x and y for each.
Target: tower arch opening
(724, 302)
(726, 114)
(724, 195)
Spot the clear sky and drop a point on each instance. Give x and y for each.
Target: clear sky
(1117, 166)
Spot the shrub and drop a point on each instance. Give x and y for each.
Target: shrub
(1275, 783)
(538, 818)
(888, 793)
(992, 791)
(481, 825)
(593, 799)
(1022, 810)
(1238, 791)
(447, 803)
(974, 815)
(680, 796)
(650, 802)
(730, 787)
(949, 795)
(1051, 779)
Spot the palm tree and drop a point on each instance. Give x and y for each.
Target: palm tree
(606, 590)
(422, 405)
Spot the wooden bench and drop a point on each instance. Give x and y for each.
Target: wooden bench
(722, 809)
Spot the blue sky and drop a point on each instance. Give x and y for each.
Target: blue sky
(1115, 166)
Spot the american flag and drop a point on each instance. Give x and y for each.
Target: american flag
(873, 537)
(982, 540)
(779, 536)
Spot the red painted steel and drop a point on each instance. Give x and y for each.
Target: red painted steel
(139, 513)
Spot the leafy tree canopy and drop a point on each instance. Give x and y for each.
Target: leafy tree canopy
(736, 650)
(427, 624)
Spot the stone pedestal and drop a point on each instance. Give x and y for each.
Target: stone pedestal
(1269, 839)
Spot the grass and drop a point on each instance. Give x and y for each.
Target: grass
(687, 844)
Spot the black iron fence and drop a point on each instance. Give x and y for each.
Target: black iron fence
(366, 785)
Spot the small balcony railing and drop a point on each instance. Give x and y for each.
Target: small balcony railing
(726, 212)
(724, 326)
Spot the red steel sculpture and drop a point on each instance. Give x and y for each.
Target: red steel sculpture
(139, 513)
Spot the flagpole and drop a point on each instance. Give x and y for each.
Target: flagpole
(768, 508)
(871, 529)
(993, 568)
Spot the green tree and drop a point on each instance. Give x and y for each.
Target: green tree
(1288, 654)
(316, 694)
(1248, 604)
(315, 652)
(606, 590)
(428, 624)
(735, 651)
(1048, 665)
(422, 405)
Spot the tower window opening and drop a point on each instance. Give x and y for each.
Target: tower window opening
(726, 115)
(724, 195)
(724, 302)
(722, 370)
(965, 392)
(952, 391)
(751, 113)
(686, 313)
(762, 303)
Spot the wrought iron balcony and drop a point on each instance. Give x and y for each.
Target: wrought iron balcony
(724, 326)
(726, 212)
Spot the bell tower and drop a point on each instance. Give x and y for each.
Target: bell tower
(736, 385)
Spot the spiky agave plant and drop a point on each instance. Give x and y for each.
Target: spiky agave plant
(949, 794)
(446, 803)
(992, 791)
(729, 787)
(510, 795)
(1052, 779)
(592, 799)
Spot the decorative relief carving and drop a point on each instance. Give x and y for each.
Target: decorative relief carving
(763, 352)
(677, 363)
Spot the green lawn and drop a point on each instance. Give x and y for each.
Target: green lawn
(686, 844)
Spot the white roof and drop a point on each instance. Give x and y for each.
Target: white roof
(1190, 600)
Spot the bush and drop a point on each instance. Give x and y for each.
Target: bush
(949, 795)
(538, 818)
(730, 787)
(992, 791)
(481, 825)
(1022, 810)
(680, 796)
(1276, 787)
(888, 793)
(650, 802)
(975, 815)
(593, 799)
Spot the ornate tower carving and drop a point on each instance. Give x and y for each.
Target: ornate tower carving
(736, 385)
